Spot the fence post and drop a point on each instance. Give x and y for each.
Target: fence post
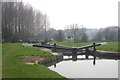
(94, 52)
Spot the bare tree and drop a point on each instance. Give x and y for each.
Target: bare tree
(19, 21)
(46, 24)
(76, 32)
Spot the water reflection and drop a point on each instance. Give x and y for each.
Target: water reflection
(83, 68)
(83, 57)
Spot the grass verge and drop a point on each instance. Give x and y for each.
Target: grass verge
(110, 46)
(14, 67)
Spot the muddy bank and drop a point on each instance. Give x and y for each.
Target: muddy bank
(57, 57)
(108, 54)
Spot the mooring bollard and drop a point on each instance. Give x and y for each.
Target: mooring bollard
(86, 53)
(74, 54)
(94, 52)
(54, 48)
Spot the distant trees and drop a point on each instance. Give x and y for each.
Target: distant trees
(42, 23)
(99, 36)
(51, 33)
(119, 34)
(107, 34)
(21, 21)
(81, 34)
(76, 32)
(59, 36)
(84, 37)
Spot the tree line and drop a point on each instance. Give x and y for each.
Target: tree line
(77, 33)
(21, 22)
(108, 34)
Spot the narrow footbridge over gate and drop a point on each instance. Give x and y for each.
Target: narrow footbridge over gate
(88, 50)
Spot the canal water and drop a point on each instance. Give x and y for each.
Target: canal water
(83, 68)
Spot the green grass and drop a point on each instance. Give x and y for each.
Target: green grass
(71, 44)
(110, 46)
(0, 60)
(14, 67)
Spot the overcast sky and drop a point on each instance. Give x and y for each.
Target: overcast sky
(90, 13)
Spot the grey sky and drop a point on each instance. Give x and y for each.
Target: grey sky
(90, 13)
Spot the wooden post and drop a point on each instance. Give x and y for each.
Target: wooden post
(41, 43)
(86, 53)
(74, 54)
(94, 52)
(54, 48)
